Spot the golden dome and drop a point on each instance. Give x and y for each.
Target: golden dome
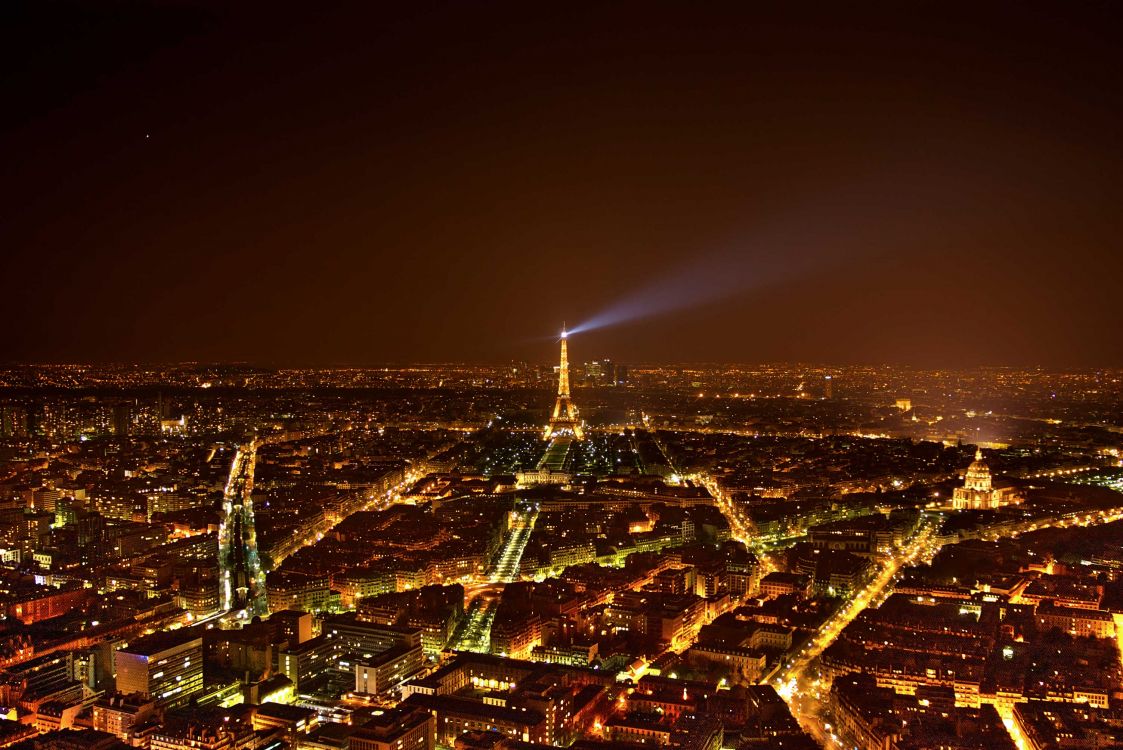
(978, 473)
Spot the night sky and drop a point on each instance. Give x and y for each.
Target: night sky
(919, 183)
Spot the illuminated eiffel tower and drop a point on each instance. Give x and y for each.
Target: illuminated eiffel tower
(564, 421)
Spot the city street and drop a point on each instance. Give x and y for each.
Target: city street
(505, 566)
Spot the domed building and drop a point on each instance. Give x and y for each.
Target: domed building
(979, 491)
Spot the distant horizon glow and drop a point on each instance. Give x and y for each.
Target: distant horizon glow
(864, 185)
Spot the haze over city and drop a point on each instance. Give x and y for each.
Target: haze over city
(495, 376)
(920, 183)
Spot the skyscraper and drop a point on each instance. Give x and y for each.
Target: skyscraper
(166, 667)
(91, 535)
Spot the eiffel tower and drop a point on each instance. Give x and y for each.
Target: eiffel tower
(564, 421)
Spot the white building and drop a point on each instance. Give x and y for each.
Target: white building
(978, 490)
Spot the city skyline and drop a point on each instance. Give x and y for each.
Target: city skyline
(514, 376)
(732, 557)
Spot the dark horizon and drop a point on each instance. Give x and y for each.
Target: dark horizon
(932, 186)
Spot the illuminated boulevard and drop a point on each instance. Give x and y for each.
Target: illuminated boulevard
(738, 524)
(792, 681)
(376, 502)
(505, 566)
(801, 689)
(242, 585)
(797, 680)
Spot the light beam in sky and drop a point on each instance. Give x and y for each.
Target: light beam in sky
(783, 252)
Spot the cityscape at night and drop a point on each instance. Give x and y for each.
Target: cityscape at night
(486, 376)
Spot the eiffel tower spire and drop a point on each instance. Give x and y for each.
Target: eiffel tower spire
(564, 420)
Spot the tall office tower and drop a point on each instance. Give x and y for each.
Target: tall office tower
(122, 419)
(242, 581)
(594, 373)
(13, 421)
(36, 419)
(91, 536)
(564, 420)
(828, 387)
(166, 667)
